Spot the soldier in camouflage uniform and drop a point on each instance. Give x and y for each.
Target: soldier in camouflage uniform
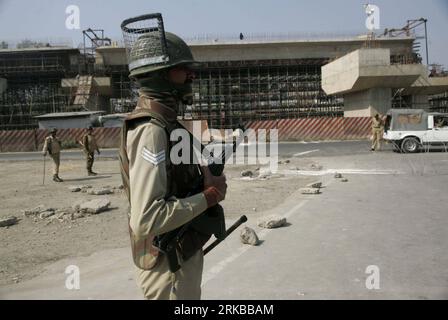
(52, 146)
(377, 132)
(90, 146)
(159, 192)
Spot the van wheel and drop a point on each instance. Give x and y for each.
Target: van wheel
(410, 145)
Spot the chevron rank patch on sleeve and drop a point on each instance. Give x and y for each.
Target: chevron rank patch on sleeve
(153, 158)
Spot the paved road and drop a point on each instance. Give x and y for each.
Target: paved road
(67, 155)
(390, 217)
(285, 149)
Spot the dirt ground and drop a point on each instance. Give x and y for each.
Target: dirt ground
(33, 243)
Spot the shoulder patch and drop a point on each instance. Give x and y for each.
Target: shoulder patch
(153, 158)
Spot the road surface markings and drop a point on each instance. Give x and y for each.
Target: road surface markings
(305, 152)
(212, 272)
(342, 171)
(218, 267)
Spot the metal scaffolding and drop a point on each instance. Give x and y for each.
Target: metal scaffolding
(125, 91)
(33, 84)
(439, 103)
(225, 93)
(229, 93)
(19, 104)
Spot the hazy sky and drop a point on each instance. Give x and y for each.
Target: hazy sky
(43, 19)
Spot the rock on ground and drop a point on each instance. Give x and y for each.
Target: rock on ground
(100, 191)
(309, 190)
(337, 175)
(314, 185)
(9, 221)
(76, 206)
(264, 173)
(85, 188)
(95, 206)
(64, 211)
(46, 214)
(248, 236)
(74, 188)
(77, 215)
(316, 167)
(247, 173)
(39, 210)
(65, 214)
(272, 221)
(33, 212)
(344, 180)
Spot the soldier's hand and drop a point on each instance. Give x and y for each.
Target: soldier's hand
(215, 187)
(44, 154)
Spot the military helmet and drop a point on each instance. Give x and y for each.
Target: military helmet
(149, 48)
(53, 130)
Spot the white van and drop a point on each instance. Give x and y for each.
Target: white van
(411, 129)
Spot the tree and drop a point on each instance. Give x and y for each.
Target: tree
(29, 44)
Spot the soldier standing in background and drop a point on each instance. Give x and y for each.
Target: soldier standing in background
(90, 146)
(377, 132)
(161, 193)
(52, 146)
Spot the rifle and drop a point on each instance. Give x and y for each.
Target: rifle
(168, 242)
(234, 226)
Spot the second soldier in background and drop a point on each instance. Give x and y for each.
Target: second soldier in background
(90, 146)
(377, 132)
(52, 146)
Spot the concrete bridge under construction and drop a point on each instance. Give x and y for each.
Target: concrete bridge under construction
(240, 82)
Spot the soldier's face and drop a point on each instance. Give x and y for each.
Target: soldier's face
(181, 75)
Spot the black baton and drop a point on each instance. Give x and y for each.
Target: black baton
(240, 221)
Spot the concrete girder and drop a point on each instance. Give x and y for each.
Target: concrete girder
(366, 69)
(427, 86)
(102, 85)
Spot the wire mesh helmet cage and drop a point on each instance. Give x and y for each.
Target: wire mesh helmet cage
(145, 42)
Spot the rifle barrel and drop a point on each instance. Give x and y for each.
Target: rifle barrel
(239, 222)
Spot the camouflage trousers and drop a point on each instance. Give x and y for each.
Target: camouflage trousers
(377, 136)
(160, 283)
(56, 161)
(90, 158)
